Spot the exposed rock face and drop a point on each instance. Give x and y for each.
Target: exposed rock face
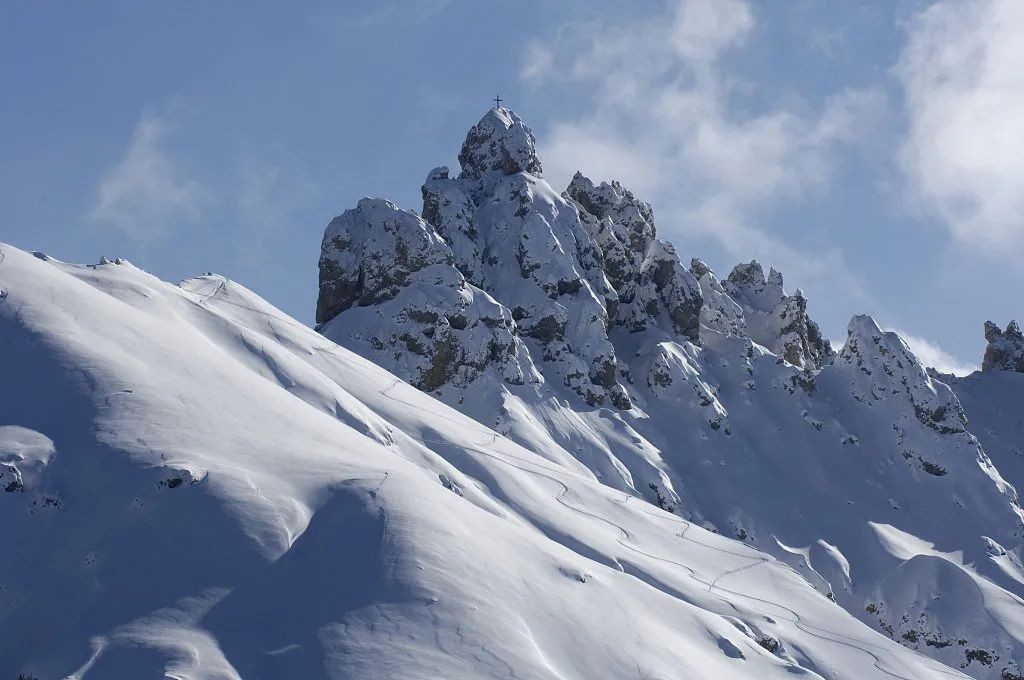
(414, 311)
(368, 254)
(719, 312)
(499, 228)
(650, 282)
(778, 321)
(1005, 351)
(514, 237)
(499, 143)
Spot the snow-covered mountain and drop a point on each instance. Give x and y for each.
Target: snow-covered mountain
(197, 486)
(561, 321)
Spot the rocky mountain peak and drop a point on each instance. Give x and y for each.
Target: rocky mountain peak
(719, 311)
(651, 285)
(369, 252)
(776, 320)
(1005, 351)
(748, 285)
(499, 143)
(388, 282)
(611, 200)
(886, 367)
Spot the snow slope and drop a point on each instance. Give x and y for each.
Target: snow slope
(208, 489)
(994, 404)
(719, 400)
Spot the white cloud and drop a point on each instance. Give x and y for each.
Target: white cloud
(271, 197)
(537, 63)
(934, 356)
(668, 121)
(701, 30)
(962, 71)
(145, 193)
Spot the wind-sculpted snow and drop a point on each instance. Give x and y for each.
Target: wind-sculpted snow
(217, 491)
(723, 402)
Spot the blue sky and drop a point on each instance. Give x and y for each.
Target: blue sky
(870, 151)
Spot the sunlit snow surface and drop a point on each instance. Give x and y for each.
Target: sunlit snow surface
(212, 490)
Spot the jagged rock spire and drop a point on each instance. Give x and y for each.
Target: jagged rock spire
(885, 367)
(500, 143)
(719, 311)
(645, 272)
(1005, 351)
(778, 321)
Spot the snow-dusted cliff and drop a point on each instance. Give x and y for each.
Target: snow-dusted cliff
(719, 400)
(1005, 351)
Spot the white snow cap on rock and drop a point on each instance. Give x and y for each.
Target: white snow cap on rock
(500, 143)
(565, 274)
(778, 321)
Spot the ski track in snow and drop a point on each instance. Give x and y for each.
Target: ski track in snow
(569, 487)
(794, 617)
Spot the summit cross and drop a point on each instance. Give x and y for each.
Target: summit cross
(497, 102)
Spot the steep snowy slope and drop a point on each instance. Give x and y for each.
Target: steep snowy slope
(563, 322)
(197, 486)
(993, 400)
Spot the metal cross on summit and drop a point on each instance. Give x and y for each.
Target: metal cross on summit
(497, 102)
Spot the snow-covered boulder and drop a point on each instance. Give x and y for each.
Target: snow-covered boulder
(778, 321)
(1005, 350)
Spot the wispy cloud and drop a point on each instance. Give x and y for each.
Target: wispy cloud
(962, 71)
(146, 192)
(538, 61)
(666, 120)
(270, 199)
(416, 10)
(931, 354)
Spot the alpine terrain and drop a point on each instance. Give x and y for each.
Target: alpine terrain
(560, 320)
(526, 439)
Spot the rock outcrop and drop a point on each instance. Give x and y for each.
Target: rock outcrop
(887, 368)
(517, 239)
(1005, 351)
(500, 230)
(548, 275)
(409, 307)
(650, 283)
(719, 311)
(778, 321)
